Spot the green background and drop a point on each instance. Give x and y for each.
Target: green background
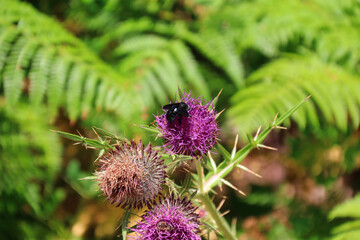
(71, 65)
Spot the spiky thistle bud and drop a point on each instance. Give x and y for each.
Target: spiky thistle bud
(131, 175)
(193, 135)
(173, 219)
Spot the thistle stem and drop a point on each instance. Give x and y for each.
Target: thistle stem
(200, 174)
(125, 222)
(221, 223)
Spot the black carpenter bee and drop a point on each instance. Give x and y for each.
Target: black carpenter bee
(176, 109)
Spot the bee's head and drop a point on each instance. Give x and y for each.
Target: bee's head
(184, 106)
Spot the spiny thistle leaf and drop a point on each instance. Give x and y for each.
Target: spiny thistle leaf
(87, 142)
(212, 179)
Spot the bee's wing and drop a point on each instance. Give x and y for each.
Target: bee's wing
(168, 106)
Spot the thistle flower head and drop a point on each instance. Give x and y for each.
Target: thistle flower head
(172, 219)
(193, 135)
(131, 175)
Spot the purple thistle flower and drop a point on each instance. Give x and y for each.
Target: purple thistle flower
(131, 175)
(172, 219)
(194, 135)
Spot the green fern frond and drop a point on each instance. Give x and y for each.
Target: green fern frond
(159, 65)
(350, 229)
(350, 208)
(218, 50)
(57, 83)
(331, 28)
(39, 74)
(31, 155)
(39, 58)
(89, 94)
(13, 72)
(30, 162)
(7, 37)
(74, 91)
(189, 66)
(284, 81)
(140, 43)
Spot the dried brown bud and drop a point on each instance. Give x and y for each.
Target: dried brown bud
(131, 175)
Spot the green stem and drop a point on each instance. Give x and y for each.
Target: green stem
(200, 174)
(125, 222)
(221, 223)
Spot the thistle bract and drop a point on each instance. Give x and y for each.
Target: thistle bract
(172, 219)
(131, 175)
(193, 135)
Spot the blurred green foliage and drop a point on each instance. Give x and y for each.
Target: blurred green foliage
(113, 63)
(30, 161)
